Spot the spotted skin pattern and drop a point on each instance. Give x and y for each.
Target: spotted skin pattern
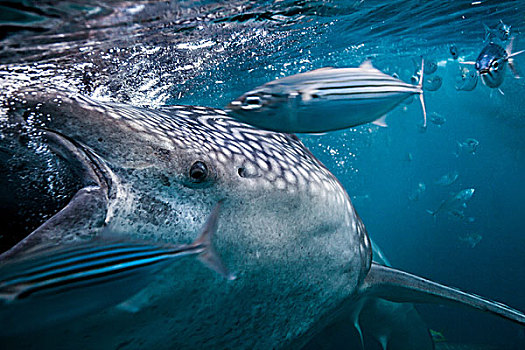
(280, 159)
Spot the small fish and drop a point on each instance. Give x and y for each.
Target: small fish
(467, 79)
(417, 192)
(459, 214)
(325, 99)
(470, 145)
(454, 51)
(433, 83)
(430, 66)
(459, 200)
(492, 62)
(501, 31)
(62, 283)
(447, 179)
(472, 239)
(437, 337)
(437, 119)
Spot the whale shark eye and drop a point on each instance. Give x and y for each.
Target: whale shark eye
(198, 171)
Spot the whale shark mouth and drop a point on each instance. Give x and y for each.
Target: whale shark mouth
(87, 204)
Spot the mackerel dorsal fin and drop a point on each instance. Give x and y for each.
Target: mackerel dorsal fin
(398, 286)
(367, 64)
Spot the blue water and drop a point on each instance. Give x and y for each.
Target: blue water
(207, 53)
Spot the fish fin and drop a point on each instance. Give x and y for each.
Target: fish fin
(209, 256)
(421, 99)
(399, 286)
(381, 121)
(367, 64)
(514, 69)
(420, 83)
(128, 306)
(508, 49)
(433, 213)
(515, 53)
(501, 92)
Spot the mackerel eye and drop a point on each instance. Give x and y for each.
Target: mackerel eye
(198, 172)
(252, 102)
(495, 65)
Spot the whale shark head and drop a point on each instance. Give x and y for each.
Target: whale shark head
(288, 230)
(285, 215)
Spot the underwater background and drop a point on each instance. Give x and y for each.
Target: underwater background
(208, 53)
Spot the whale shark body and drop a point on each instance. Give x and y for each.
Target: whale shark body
(288, 230)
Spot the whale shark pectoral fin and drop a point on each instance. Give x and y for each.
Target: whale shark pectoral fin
(209, 256)
(399, 286)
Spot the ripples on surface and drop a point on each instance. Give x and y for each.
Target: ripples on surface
(147, 52)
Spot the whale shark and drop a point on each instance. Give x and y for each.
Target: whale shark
(289, 232)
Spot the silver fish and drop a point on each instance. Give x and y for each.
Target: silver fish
(447, 179)
(61, 283)
(501, 31)
(472, 239)
(433, 83)
(325, 99)
(459, 200)
(437, 119)
(430, 66)
(467, 79)
(470, 145)
(459, 214)
(288, 227)
(492, 62)
(417, 192)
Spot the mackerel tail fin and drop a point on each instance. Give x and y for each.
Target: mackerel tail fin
(209, 255)
(421, 99)
(399, 286)
(510, 60)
